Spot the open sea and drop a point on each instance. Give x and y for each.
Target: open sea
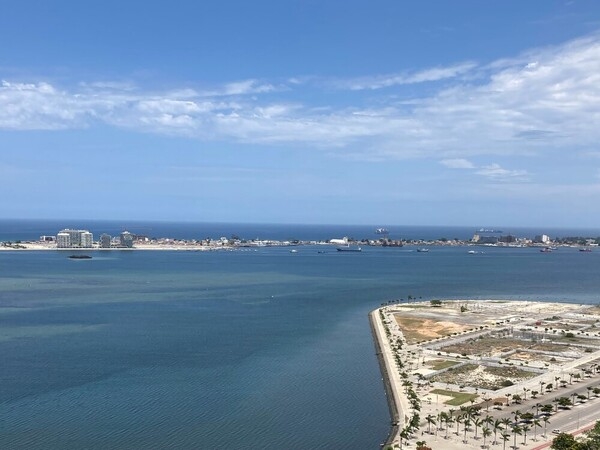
(249, 349)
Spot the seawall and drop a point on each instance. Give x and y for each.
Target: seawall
(396, 414)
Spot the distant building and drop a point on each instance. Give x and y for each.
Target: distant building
(47, 238)
(86, 239)
(68, 238)
(105, 241)
(63, 240)
(488, 240)
(541, 239)
(126, 239)
(508, 239)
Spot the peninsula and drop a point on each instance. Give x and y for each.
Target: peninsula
(484, 374)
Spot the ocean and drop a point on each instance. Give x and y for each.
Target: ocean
(248, 349)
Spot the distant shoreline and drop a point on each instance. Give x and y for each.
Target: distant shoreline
(185, 245)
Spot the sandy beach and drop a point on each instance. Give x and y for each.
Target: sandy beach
(40, 246)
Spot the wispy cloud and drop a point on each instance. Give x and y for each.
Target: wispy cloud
(457, 163)
(493, 172)
(385, 81)
(542, 101)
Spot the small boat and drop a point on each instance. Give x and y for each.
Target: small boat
(349, 249)
(422, 250)
(294, 251)
(546, 250)
(471, 252)
(585, 250)
(80, 257)
(382, 231)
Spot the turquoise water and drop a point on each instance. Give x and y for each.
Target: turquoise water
(249, 349)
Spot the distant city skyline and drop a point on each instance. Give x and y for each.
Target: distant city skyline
(425, 113)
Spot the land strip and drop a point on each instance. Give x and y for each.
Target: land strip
(529, 364)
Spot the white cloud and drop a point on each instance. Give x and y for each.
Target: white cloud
(385, 81)
(542, 101)
(495, 172)
(457, 163)
(246, 87)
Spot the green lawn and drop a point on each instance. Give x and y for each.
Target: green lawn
(459, 397)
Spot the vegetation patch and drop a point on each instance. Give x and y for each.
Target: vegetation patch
(484, 346)
(458, 398)
(440, 364)
(548, 347)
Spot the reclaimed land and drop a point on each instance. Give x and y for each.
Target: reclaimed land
(452, 362)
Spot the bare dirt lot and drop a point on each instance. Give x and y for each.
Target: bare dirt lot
(483, 377)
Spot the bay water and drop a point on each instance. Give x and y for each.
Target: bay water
(247, 349)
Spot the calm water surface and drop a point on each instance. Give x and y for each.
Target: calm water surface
(249, 349)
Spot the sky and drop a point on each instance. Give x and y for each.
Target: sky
(381, 112)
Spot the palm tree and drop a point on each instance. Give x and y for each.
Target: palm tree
(430, 420)
(516, 431)
(517, 414)
(442, 418)
(449, 421)
(536, 423)
(487, 401)
(486, 433)
(466, 426)
(525, 429)
(477, 422)
(525, 391)
(459, 420)
(505, 437)
(546, 421)
(403, 436)
(497, 426)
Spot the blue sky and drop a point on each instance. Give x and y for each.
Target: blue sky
(385, 112)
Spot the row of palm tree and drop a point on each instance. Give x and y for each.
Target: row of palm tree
(467, 416)
(396, 345)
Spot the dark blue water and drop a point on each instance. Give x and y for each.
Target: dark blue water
(249, 349)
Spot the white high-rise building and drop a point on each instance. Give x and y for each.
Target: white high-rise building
(105, 241)
(63, 240)
(74, 238)
(126, 239)
(86, 239)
